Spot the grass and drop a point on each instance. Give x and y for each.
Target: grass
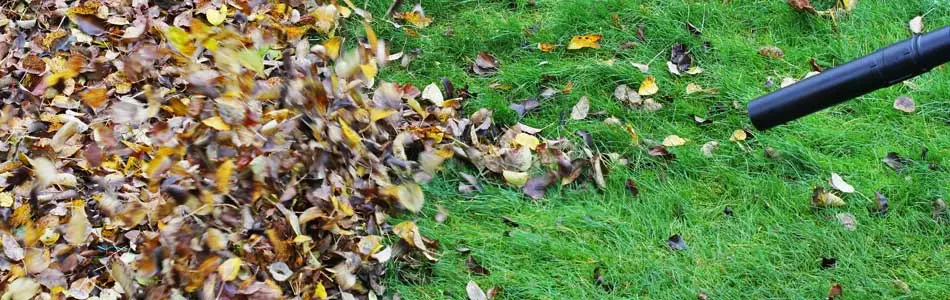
(773, 244)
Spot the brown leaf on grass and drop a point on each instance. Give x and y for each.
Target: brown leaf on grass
(895, 161)
(640, 33)
(771, 52)
(510, 222)
(631, 186)
(475, 267)
(599, 180)
(546, 47)
(579, 112)
(901, 285)
(834, 292)
(524, 107)
(802, 5)
(485, 64)
(814, 65)
(905, 104)
(535, 187)
(660, 151)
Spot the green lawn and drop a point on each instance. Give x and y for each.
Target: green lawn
(773, 244)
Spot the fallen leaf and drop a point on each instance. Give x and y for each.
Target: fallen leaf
(410, 196)
(894, 161)
(470, 185)
(708, 148)
(673, 141)
(280, 271)
(433, 94)
(216, 122)
(828, 262)
(801, 5)
(600, 281)
(526, 140)
(680, 56)
(847, 220)
(849, 5)
(230, 268)
(598, 172)
(508, 221)
(839, 184)
(516, 179)
(474, 292)
(917, 24)
(525, 107)
(579, 112)
(640, 33)
(905, 104)
(217, 16)
(880, 207)
(631, 186)
(485, 64)
(441, 215)
(568, 88)
(584, 41)
(738, 135)
(901, 285)
(546, 47)
(676, 242)
(822, 198)
(223, 176)
(11, 248)
(834, 292)
(648, 86)
(670, 66)
(940, 210)
(771, 52)
(693, 88)
(660, 151)
(642, 67)
(787, 81)
(22, 288)
(474, 267)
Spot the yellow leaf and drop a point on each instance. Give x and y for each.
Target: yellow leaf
(94, 97)
(516, 179)
(333, 46)
(230, 268)
(180, 40)
(369, 70)
(411, 197)
(216, 122)
(673, 141)
(252, 59)
(546, 47)
(341, 206)
(377, 114)
(414, 104)
(584, 41)
(693, 88)
(633, 134)
(848, 5)
(6, 199)
(738, 135)
(223, 176)
(320, 292)
(417, 19)
(352, 137)
(527, 140)
(77, 229)
(648, 86)
(217, 16)
(370, 35)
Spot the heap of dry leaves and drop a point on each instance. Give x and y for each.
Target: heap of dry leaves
(208, 149)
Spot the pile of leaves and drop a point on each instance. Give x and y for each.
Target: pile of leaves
(209, 149)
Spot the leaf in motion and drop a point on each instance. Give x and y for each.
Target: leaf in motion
(648, 86)
(579, 112)
(905, 104)
(584, 41)
(839, 184)
(916, 24)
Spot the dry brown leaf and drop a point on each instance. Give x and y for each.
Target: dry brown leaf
(579, 112)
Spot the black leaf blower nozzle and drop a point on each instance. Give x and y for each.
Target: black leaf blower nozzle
(880, 69)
